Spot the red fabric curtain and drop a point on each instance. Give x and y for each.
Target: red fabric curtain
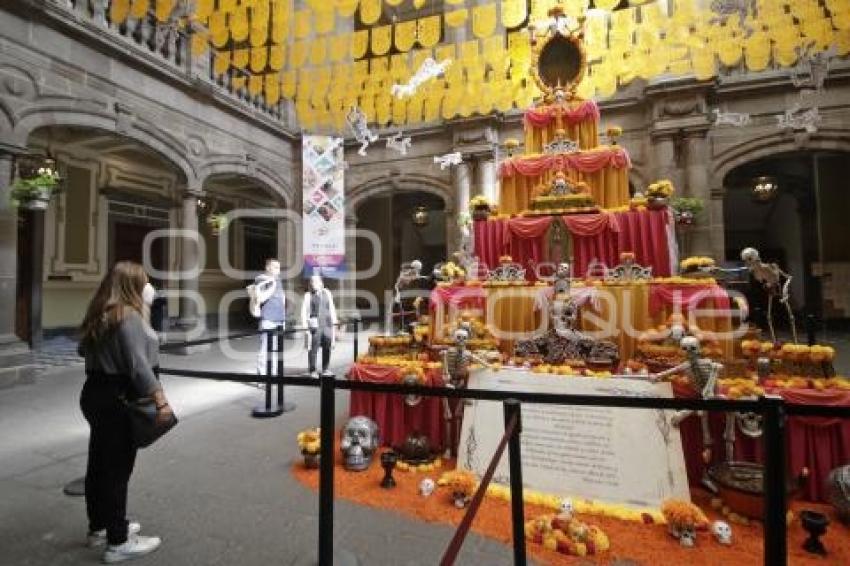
(541, 117)
(644, 233)
(686, 297)
(394, 417)
(585, 161)
(491, 241)
(591, 224)
(457, 296)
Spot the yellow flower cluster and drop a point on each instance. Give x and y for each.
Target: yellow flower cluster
(390, 340)
(480, 200)
(581, 506)
(421, 332)
(614, 131)
(451, 270)
(739, 387)
(567, 536)
(695, 262)
(399, 362)
(679, 280)
(569, 371)
(799, 382)
(459, 481)
(661, 189)
(405, 467)
(309, 440)
(754, 347)
(804, 353)
(683, 514)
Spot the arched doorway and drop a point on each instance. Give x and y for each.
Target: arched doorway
(116, 190)
(410, 224)
(801, 225)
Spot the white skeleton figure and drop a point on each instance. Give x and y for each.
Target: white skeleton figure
(427, 487)
(736, 119)
(399, 143)
(409, 273)
(728, 8)
(776, 283)
(449, 159)
(359, 125)
(456, 361)
(794, 119)
(812, 70)
(429, 69)
(703, 374)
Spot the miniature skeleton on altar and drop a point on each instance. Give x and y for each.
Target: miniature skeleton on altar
(456, 361)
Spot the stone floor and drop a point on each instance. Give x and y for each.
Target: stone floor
(217, 489)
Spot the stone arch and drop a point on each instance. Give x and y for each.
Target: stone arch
(58, 114)
(403, 182)
(264, 176)
(766, 146)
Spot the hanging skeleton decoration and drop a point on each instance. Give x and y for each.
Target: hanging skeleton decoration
(703, 374)
(736, 119)
(812, 70)
(449, 159)
(796, 119)
(429, 69)
(724, 9)
(359, 125)
(776, 283)
(456, 362)
(398, 143)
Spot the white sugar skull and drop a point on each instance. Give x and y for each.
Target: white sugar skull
(688, 537)
(750, 255)
(722, 532)
(690, 345)
(567, 509)
(677, 332)
(427, 487)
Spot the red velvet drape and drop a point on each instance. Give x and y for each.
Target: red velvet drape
(586, 162)
(543, 116)
(819, 444)
(395, 418)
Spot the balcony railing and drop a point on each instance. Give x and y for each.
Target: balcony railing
(170, 46)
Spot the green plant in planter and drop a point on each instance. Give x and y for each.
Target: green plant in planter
(686, 209)
(217, 222)
(37, 191)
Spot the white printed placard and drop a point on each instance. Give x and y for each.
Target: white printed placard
(625, 456)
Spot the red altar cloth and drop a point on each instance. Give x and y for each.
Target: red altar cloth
(588, 161)
(395, 418)
(602, 237)
(818, 443)
(543, 116)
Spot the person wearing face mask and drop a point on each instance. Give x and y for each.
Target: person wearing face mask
(270, 305)
(122, 358)
(318, 315)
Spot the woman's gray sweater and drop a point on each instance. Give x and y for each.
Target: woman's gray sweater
(131, 349)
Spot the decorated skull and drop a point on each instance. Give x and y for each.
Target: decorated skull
(677, 332)
(722, 532)
(687, 537)
(461, 335)
(359, 442)
(690, 345)
(427, 487)
(567, 509)
(750, 256)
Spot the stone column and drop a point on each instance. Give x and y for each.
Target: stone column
(462, 181)
(696, 186)
(489, 179)
(666, 159)
(189, 257)
(348, 284)
(8, 253)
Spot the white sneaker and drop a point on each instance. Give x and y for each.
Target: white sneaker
(135, 547)
(98, 538)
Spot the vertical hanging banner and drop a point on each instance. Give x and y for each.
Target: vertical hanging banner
(324, 201)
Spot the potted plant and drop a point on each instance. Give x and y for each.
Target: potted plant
(613, 132)
(309, 441)
(217, 223)
(35, 193)
(481, 207)
(686, 209)
(658, 193)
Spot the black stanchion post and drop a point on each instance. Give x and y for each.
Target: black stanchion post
(266, 411)
(512, 409)
(282, 404)
(326, 469)
(775, 526)
(356, 336)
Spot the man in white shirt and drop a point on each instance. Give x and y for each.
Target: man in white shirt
(271, 303)
(318, 315)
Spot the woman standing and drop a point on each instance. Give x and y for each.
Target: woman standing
(121, 352)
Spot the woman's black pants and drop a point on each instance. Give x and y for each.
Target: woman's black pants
(111, 457)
